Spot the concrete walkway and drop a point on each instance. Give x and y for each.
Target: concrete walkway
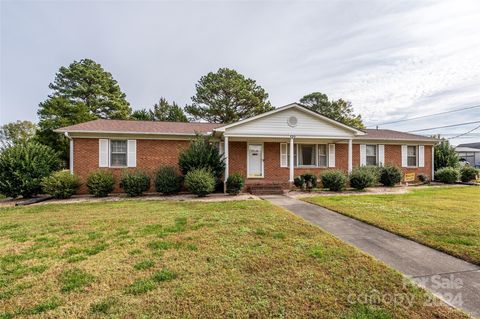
(455, 281)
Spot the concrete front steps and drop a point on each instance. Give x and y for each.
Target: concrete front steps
(265, 189)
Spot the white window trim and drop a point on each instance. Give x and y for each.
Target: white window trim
(262, 162)
(416, 156)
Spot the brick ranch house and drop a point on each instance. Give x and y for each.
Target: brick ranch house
(271, 148)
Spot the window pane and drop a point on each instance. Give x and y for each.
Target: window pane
(371, 150)
(371, 160)
(322, 160)
(322, 149)
(307, 154)
(119, 159)
(412, 151)
(412, 161)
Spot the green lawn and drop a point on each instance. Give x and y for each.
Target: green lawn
(445, 218)
(147, 259)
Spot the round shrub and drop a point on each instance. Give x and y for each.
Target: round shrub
(448, 175)
(375, 171)
(235, 183)
(168, 181)
(423, 178)
(100, 183)
(200, 182)
(23, 166)
(334, 180)
(60, 184)
(390, 175)
(468, 173)
(362, 177)
(134, 183)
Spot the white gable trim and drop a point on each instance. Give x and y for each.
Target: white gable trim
(289, 106)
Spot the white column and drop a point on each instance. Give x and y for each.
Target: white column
(433, 163)
(291, 159)
(350, 165)
(225, 154)
(71, 156)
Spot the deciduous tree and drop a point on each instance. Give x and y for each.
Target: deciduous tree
(339, 110)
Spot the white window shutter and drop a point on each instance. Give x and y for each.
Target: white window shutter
(331, 155)
(381, 155)
(421, 156)
(103, 152)
(283, 155)
(363, 154)
(132, 153)
(404, 156)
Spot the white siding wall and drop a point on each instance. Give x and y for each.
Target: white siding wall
(276, 125)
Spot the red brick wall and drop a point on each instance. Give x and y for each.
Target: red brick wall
(151, 154)
(275, 173)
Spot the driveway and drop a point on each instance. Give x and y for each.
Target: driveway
(455, 281)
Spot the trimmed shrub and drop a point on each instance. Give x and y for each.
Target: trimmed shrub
(202, 154)
(362, 177)
(60, 184)
(235, 183)
(168, 181)
(134, 183)
(390, 175)
(334, 180)
(23, 166)
(448, 175)
(423, 178)
(468, 173)
(375, 171)
(200, 182)
(100, 183)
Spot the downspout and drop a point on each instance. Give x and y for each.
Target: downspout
(70, 164)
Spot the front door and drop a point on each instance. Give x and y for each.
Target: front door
(255, 160)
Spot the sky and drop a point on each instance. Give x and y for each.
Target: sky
(392, 59)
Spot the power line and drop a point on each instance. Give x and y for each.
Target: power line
(465, 133)
(453, 125)
(423, 116)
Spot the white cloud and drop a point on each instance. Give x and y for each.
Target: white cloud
(392, 59)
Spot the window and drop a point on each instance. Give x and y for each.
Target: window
(304, 155)
(307, 155)
(411, 156)
(371, 151)
(322, 155)
(118, 153)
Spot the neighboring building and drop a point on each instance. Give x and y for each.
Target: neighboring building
(470, 153)
(271, 148)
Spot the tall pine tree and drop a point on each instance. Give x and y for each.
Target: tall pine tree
(81, 92)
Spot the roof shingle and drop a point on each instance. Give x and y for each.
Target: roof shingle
(140, 127)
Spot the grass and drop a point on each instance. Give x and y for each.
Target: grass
(444, 218)
(146, 259)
